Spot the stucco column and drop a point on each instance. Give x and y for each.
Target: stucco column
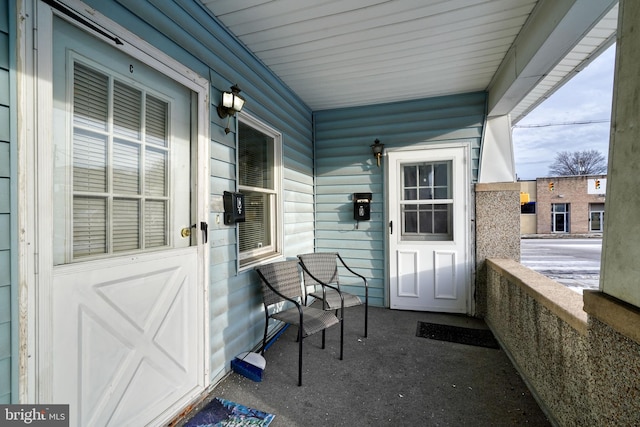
(620, 268)
(497, 230)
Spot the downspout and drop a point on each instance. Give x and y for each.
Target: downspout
(313, 172)
(483, 135)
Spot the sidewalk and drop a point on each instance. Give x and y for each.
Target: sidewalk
(562, 236)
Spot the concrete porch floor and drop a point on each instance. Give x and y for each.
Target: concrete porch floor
(392, 377)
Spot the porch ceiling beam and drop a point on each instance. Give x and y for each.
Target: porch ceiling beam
(553, 29)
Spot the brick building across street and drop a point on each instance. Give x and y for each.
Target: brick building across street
(569, 205)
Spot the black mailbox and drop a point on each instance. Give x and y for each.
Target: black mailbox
(233, 207)
(362, 206)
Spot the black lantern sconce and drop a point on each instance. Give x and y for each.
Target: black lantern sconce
(231, 104)
(377, 148)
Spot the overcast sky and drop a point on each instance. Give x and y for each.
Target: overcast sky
(585, 98)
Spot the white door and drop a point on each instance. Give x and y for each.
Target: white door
(126, 286)
(428, 226)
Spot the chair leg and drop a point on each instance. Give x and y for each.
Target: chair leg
(299, 357)
(323, 340)
(366, 318)
(341, 337)
(264, 337)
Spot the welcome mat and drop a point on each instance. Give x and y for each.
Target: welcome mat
(457, 334)
(221, 412)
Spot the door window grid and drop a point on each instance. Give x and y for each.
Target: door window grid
(120, 166)
(427, 201)
(259, 160)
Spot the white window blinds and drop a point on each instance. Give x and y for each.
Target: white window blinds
(257, 172)
(120, 151)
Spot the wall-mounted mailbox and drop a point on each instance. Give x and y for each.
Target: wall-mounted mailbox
(362, 206)
(233, 207)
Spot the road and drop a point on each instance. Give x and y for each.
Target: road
(573, 262)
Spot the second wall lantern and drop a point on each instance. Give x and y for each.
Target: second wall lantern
(231, 104)
(376, 149)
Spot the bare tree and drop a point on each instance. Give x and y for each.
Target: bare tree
(587, 162)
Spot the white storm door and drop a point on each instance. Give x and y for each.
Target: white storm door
(428, 221)
(126, 292)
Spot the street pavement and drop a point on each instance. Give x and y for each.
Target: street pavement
(574, 263)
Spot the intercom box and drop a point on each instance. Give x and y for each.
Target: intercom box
(362, 206)
(233, 207)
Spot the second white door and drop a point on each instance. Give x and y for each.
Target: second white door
(428, 229)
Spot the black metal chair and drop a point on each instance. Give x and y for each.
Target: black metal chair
(281, 283)
(321, 268)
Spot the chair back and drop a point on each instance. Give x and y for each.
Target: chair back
(279, 280)
(322, 265)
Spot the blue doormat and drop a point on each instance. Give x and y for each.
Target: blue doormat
(221, 412)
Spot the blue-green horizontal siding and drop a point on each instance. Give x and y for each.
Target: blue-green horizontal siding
(345, 165)
(8, 350)
(185, 30)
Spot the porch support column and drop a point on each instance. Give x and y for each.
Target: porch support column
(620, 267)
(497, 230)
(614, 311)
(496, 160)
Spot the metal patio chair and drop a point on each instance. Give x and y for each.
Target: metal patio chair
(281, 283)
(321, 268)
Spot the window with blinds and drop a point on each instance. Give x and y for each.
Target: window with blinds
(257, 176)
(120, 166)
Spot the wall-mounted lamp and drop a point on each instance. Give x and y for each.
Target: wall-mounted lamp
(376, 148)
(231, 104)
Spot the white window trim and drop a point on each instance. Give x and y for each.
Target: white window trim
(278, 207)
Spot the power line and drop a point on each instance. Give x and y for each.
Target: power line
(544, 125)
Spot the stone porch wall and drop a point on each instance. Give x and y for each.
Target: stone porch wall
(582, 370)
(497, 231)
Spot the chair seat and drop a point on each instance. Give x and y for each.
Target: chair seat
(315, 320)
(333, 299)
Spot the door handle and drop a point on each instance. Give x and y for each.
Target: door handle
(391, 227)
(205, 231)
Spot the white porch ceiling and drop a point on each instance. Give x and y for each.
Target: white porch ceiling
(341, 53)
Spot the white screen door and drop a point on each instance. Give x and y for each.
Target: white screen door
(127, 318)
(428, 221)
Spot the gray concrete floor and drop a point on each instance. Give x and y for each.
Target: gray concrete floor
(392, 377)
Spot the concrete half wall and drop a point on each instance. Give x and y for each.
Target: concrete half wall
(582, 371)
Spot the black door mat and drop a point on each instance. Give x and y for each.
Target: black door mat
(457, 334)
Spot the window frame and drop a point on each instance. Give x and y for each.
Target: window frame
(565, 213)
(432, 202)
(596, 208)
(65, 253)
(249, 259)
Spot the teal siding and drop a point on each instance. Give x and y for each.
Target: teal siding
(345, 165)
(184, 30)
(7, 349)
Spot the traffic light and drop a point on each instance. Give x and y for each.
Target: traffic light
(597, 184)
(551, 186)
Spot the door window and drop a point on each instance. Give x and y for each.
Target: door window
(560, 217)
(426, 203)
(596, 217)
(116, 180)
